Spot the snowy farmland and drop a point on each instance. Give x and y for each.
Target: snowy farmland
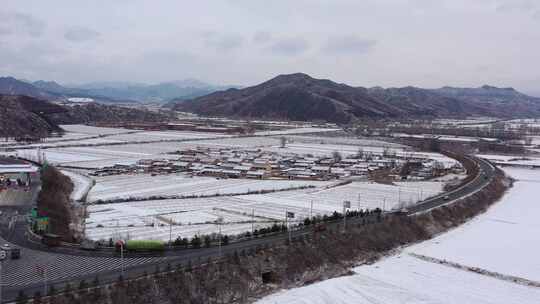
(153, 219)
(503, 242)
(496, 241)
(362, 195)
(145, 185)
(122, 146)
(189, 217)
(93, 148)
(81, 184)
(301, 130)
(405, 279)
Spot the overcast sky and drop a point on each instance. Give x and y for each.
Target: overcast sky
(427, 43)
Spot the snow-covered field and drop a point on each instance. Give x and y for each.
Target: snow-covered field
(151, 219)
(362, 195)
(88, 157)
(90, 130)
(504, 240)
(126, 151)
(359, 142)
(318, 149)
(512, 160)
(303, 130)
(144, 185)
(407, 280)
(81, 184)
(86, 135)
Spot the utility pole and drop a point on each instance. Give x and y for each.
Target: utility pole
(287, 216)
(286, 223)
(1, 262)
(3, 256)
(121, 242)
(170, 231)
(346, 204)
(219, 221)
(311, 211)
(44, 280)
(252, 221)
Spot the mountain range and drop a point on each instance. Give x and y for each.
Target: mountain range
(109, 92)
(300, 97)
(161, 92)
(297, 97)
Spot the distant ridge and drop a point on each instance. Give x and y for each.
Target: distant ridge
(109, 92)
(12, 86)
(29, 117)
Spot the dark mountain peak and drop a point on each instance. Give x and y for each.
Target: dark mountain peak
(44, 82)
(12, 86)
(295, 78)
(10, 80)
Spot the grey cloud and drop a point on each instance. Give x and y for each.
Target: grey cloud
(515, 5)
(20, 24)
(223, 42)
(262, 37)
(304, 37)
(348, 45)
(80, 34)
(289, 46)
(519, 6)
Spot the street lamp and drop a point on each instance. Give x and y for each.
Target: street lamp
(3, 255)
(346, 205)
(288, 215)
(219, 222)
(121, 243)
(170, 231)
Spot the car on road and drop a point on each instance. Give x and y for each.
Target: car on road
(12, 252)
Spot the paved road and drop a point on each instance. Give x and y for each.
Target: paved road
(69, 267)
(486, 173)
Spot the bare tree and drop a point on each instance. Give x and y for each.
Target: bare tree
(360, 153)
(283, 141)
(336, 156)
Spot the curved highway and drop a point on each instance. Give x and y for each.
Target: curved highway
(485, 173)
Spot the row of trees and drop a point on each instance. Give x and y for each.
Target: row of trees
(54, 202)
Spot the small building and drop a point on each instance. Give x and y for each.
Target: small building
(339, 172)
(320, 169)
(258, 174)
(231, 173)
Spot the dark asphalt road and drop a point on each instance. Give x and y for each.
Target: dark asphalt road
(486, 173)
